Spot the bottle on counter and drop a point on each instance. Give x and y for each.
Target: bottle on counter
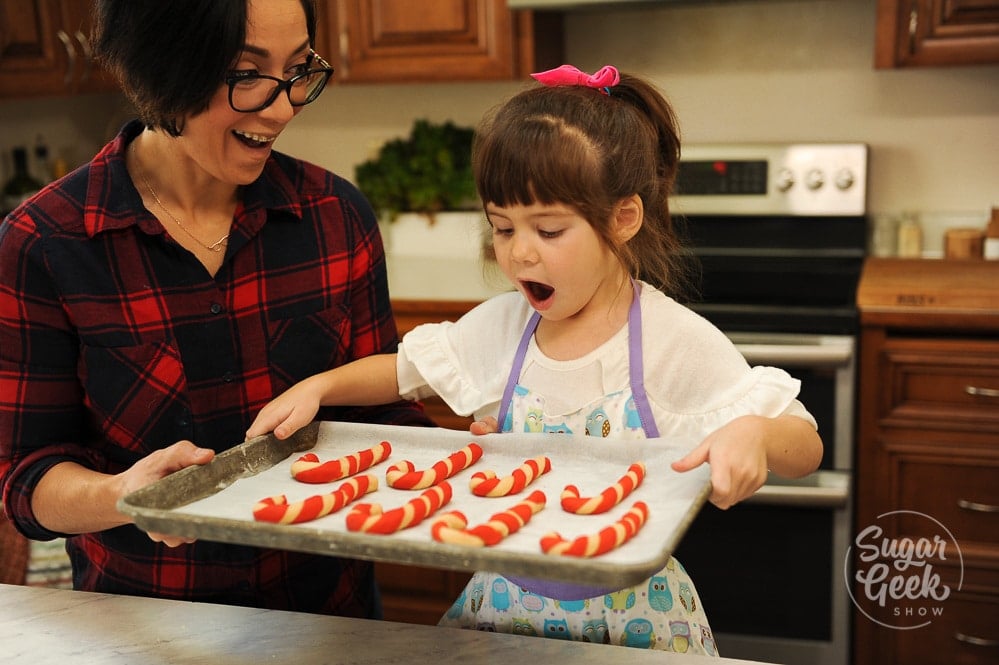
(991, 245)
(910, 237)
(43, 170)
(59, 168)
(22, 185)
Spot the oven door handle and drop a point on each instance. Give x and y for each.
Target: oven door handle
(796, 354)
(822, 489)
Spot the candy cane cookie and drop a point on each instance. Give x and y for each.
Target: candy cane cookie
(452, 527)
(485, 483)
(308, 468)
(369, 518)
(601, 542)
(404, 476)
(610, 497)
(277, 509)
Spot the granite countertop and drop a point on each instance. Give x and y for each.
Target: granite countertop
(58, 627)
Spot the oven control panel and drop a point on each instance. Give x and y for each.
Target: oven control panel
(800, 179)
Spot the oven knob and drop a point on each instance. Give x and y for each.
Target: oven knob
(844, 179)
(814, 179)
(785, 179)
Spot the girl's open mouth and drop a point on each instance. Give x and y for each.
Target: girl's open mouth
(538, 292)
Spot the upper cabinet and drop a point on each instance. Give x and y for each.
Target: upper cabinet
(381, 41)
(914, 33)
(45, 49)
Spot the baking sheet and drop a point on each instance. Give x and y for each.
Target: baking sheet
(215, 501)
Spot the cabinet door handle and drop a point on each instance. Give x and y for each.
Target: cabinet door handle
(88, 55)
(70, 55)
(977, 507)
(976, 641)
(913, 26)
(981, 392)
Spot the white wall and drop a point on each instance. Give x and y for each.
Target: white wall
(742, 70)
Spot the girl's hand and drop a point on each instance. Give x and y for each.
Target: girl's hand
(488, 425)
(288, 412)
(737, 453)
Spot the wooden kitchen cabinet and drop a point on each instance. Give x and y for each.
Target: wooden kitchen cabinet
(415, 594)
(401, 41)
(45, 50)
(912, 33)
(928, 448)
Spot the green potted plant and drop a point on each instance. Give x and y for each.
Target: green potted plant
(422, 189)
(428, 172)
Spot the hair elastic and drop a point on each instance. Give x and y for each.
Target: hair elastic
(601, 80)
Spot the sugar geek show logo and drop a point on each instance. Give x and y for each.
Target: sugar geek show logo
(897, 581)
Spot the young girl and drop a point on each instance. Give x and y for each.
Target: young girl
(574, 176)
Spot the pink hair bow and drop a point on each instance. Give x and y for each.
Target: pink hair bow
(603, 79)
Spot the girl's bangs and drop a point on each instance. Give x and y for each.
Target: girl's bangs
(535, 163)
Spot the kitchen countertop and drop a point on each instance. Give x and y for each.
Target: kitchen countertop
(442, 278)
(52, 626)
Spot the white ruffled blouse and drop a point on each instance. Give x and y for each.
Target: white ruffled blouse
(695, 378)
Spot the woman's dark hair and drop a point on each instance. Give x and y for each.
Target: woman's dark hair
(171, 56)
(578, 146)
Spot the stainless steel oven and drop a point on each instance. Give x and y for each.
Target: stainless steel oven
(780, 233)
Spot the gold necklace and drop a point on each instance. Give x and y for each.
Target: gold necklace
(216, 246)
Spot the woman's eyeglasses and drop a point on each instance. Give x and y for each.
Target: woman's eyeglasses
(254, 92)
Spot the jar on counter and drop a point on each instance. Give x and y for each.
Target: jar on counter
(963, 243)
(883, 239)
(910, 236)
(990, 248)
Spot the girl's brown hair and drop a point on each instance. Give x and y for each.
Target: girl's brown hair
(581, 147)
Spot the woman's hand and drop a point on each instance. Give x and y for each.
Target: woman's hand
(290, 411)
(737, 453)
(157, 465)
(71, 498)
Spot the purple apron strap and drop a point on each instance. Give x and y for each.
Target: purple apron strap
(518, 364)
(636, 366)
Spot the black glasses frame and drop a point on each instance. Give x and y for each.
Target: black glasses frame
(283, 85)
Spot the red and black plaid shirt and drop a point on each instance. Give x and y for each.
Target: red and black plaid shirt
(115, 341)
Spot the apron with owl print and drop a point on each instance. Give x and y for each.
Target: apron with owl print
(663, 612)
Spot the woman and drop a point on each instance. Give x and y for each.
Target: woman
(156, 298)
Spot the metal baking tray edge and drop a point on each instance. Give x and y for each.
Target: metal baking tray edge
(151, 509)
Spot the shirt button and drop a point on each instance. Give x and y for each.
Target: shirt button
(216, 308)
(228, 377)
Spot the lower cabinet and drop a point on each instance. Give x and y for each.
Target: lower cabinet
(926, 553)
(414, 594)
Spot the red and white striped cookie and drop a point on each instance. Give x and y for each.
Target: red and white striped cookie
(308, 468)
(610, 497)
(404, 476)
(276, 509)
(485, 483)
(369, 518)
(604, 541)
(452, 527)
